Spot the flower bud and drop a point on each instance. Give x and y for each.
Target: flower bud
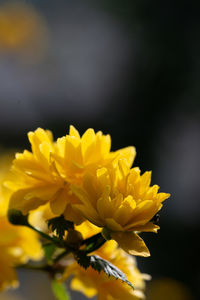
(16, 217)
(74, 238)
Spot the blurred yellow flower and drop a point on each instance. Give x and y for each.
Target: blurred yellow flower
(168, 288)
(122, 201)
(92, 283)
(45, 174)
(17, 243)
(22, 28)
(5, 164)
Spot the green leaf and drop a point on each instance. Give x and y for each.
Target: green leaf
(83, 260)
(49, 250)
(99, 264)
(60, 225)
(59, 290)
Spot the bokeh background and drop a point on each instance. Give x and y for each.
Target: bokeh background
(129, 68)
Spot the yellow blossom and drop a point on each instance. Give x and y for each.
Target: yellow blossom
(17, 243)
(92, 283)
(45, 174)
(122, 201)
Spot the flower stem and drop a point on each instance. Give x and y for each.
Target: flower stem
(44, 235)
(61, 255)
(93, 243)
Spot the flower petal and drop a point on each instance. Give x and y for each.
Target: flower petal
(31, 198)
(128, 153)
(73, 132)
(131, 243)
(89, 213)
(59, 202)
(113, 225)
(149, 227)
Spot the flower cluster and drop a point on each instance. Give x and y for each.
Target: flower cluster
(82, 179)
(87, 199)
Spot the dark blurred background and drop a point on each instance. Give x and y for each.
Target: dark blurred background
(128, 68)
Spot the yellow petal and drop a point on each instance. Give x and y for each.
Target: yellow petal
(128, 153)
(113, 225)
(59, 202)
(60, 143)
(123, 167)
(143, 212)
(45, 149)
(104, 206)
(146, 179)
(87, 142)
(31, 198)
(103, 143)
(36, 139)
(123, 212)
(74, 132)
(72, 149)
(103, 178)
(17, 202)
(149, 227)
(72, 215)
(89, 213)
(81, 194)
(131, 243)
(162, 196)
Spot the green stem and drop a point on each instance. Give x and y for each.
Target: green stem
(46, 236)
(95, 247)
(94, 243)
(91, 239)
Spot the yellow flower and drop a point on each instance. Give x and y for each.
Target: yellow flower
(17, 243)
(122, 201)
(92, 283)
(45, 174)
